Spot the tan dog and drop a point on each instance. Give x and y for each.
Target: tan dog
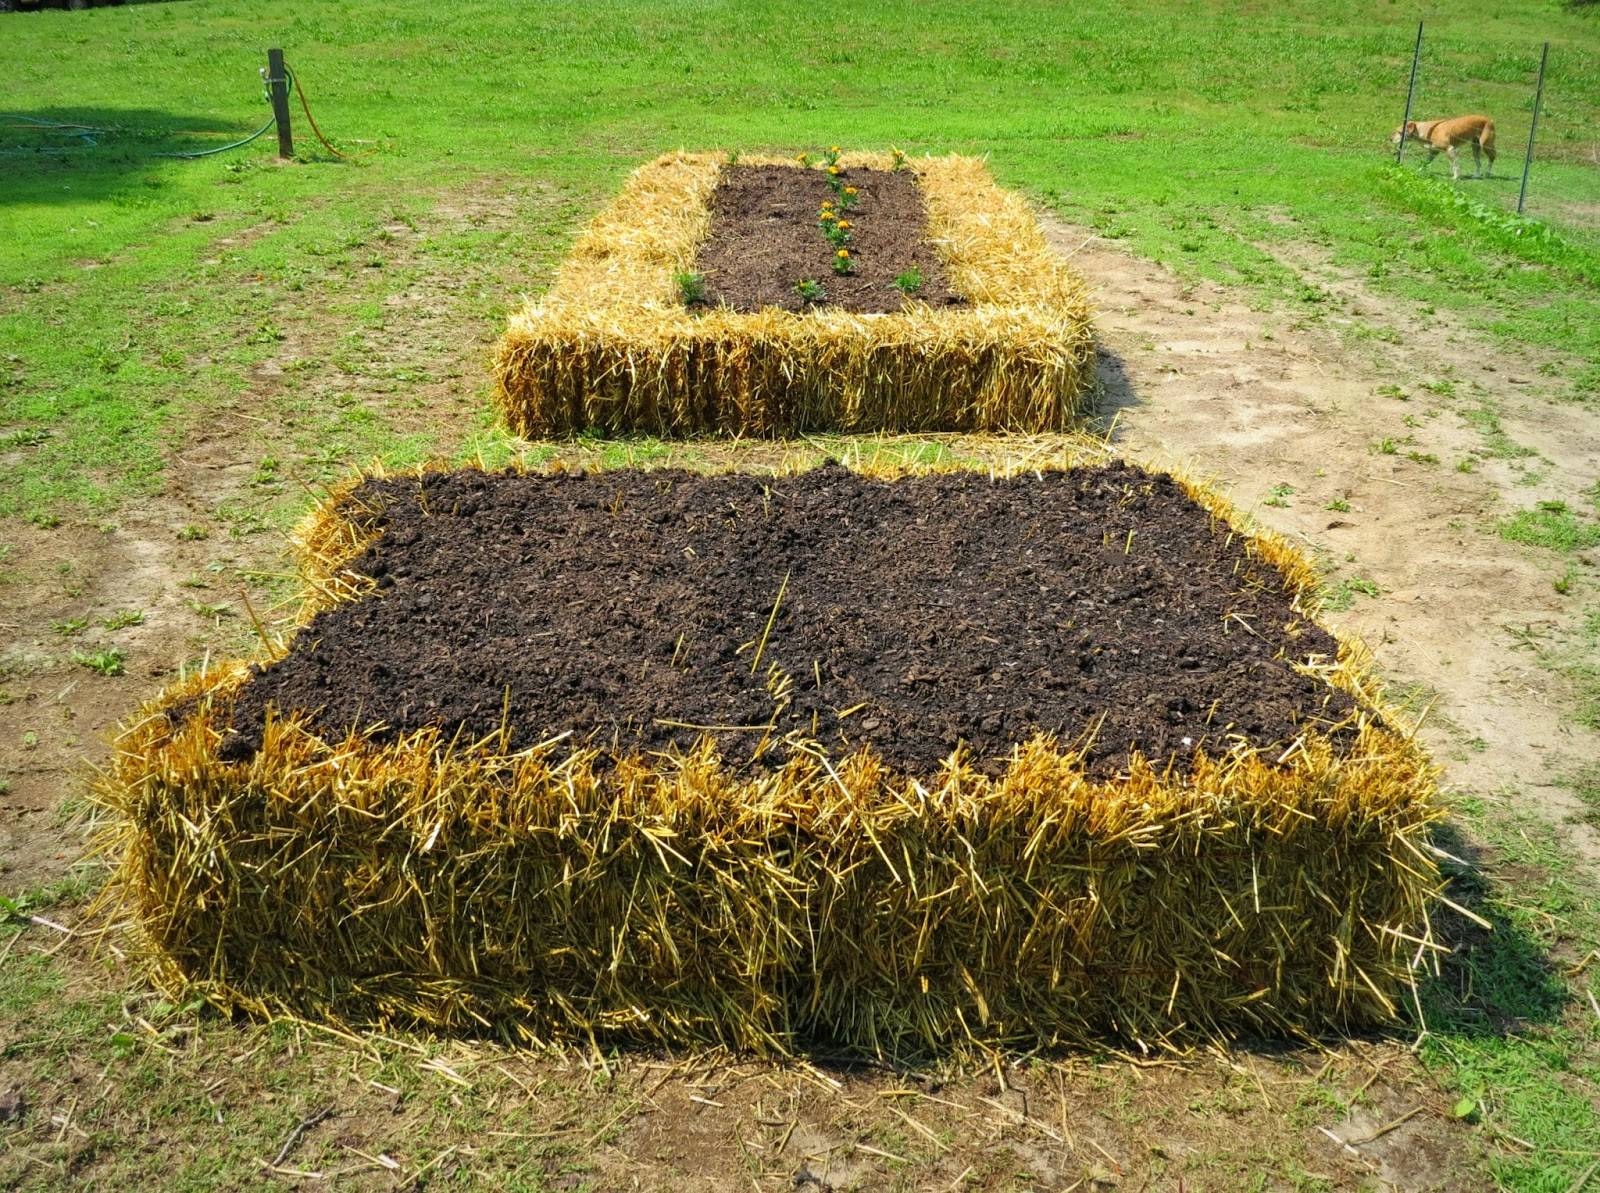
(1445, 135)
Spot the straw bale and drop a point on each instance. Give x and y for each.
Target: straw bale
(612, 347)
(566, 895)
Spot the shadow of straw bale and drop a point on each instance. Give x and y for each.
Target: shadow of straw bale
(1494, 982)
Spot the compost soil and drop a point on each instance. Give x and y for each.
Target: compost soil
(764, 238)
(636, 610)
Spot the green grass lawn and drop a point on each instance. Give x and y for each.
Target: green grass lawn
(1206, 136)
(138, 293)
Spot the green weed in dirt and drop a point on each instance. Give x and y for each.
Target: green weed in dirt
(1550, 524)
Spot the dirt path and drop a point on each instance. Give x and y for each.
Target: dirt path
(1265, 403)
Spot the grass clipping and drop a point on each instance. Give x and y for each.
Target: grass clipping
(611, 347)
(550, 895)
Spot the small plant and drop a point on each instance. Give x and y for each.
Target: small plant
(691, 287)
(899, 161)
(214, 610)
(69, 626)
(44, 521)
(27, 437)
(1338, 505)
(804, 159)
(841, 261)
(835, 179)
(1279, 495)
(848, 197)
(1387, 446)
(1563, 583)
(107, 661)
(733, 157)
(810, 290)
(910, 281)
(122, 619)
(830, 156)
(193, 534)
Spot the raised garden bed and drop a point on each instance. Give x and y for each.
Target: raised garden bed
(705, 298)
(889, 764)
(764, 243)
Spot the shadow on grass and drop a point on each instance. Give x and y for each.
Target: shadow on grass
(66, 153)
(1495, 982)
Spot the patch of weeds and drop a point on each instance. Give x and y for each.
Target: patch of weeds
(691, 287)
(1422, 457)
(1386, 447)
(1585, 784)
(214, 610)
(27, 437)
(1338, 505)
(910, 281)
(193, 534)
(1486, 419)
(1564, 582)
(107, 660)
(266, 472)
(810, 290)
(69, 626)
(1392, 391)
(1279, 495)
(1551, 525)
(123, 618)
(1341, 596)
(44, 521)
(1445, 389)
(1466, 464)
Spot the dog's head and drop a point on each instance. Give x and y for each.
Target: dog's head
(1408, 129)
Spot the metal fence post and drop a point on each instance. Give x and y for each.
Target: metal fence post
(1527, 158)
(1411, 92)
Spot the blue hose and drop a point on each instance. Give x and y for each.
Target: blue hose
(222, 148)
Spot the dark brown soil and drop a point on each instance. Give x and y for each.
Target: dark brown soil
(917, 614)
(764, 239)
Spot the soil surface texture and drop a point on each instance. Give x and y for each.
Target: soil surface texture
(632, 608)
(764, 238)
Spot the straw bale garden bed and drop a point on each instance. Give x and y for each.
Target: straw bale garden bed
(891, 763)
(761, 296)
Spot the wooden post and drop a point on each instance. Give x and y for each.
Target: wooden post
(1527, 158)
(1411, 94)
(278, 88)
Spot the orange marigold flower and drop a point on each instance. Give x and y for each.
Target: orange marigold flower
(842, 253)
(844, 223)
(849, 190)
(833, 169)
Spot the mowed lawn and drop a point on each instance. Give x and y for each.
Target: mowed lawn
(142, 295)
(1204, 134)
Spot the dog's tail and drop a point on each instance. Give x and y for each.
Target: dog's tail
(1486, 137)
